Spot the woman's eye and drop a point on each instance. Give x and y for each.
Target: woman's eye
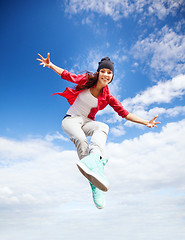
(108, 72)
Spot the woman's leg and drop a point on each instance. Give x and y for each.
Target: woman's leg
(72, 126)
(77, 128)
(91, 166)
(98, 132)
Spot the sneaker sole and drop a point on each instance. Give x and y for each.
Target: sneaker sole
(100, 207)
(95, 179)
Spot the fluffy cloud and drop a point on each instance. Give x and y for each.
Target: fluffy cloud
(42, 193)
(162, 8)
(111, 8)
(162, 92)
(163, 51)
(32, 170)
(153, 160)
(123, 8)
(55, 136)
(118, 131)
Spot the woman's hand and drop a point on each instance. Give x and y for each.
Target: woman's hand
(152, 122)
(44, 61)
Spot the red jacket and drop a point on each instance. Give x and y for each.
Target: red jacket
(104, 98)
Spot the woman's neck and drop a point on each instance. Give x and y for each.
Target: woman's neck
(95, 91)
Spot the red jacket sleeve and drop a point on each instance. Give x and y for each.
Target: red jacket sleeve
(78, 79)
(117, 106)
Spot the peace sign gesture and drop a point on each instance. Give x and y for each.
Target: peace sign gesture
(152, 122)
(44, 61)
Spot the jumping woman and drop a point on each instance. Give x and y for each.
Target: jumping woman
(90, 95)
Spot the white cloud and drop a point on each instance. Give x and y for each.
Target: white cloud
(169, 112)
(55, 136)
(162, 92)
(162, 8)
(178, 110)
(153, 160)
(163, 51)
(111, 8)
(6, 195)
(123, 8)
(147, 176)
(118, 131)
(32, 170)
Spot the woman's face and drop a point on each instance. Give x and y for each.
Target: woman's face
(105, 76)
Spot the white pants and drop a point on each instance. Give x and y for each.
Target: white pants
(78, 128)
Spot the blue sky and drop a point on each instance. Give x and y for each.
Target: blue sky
(42, 194)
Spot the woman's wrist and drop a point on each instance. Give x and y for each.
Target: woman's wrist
(146, 123)
(49, 65)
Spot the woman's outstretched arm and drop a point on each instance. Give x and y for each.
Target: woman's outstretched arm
(46, 62)
(136, 119)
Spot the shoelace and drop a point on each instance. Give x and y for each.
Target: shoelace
(104, 161)
(101, 163)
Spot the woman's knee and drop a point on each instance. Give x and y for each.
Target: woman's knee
(103, 127)
(65, 125)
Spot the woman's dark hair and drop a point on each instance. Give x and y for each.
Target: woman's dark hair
(92, 79)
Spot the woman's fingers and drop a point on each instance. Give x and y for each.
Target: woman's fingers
(153, 120)
(44, 59)
(155, 117)
(41, 56)
(155, 124)
(39, 59)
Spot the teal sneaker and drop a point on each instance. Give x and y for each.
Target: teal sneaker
(92, 167)
(98, 196)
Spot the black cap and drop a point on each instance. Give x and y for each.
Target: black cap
(106, 63)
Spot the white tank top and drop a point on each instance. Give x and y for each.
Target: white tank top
(83, 104)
